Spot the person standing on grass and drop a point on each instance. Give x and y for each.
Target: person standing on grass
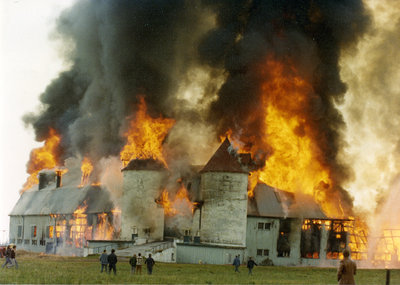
(132, 262)
(347, 269)
(250, 265)
(12, 256)
(104, 261)
(236, 263)
(150, 263)
(112, 262)
(8, 256)
(139, 262)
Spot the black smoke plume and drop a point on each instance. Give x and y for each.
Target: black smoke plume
(121, 49)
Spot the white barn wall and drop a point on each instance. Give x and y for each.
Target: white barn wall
(224, 212)
(140, 190)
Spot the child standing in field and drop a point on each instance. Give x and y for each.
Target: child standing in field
(139, 262)
(132, 262)
(104, 261)
(250, 265)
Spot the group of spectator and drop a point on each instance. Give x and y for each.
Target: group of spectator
(250, 264)
(135, 262)
(10, 255)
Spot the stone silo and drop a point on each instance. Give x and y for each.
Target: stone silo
(224, 196)
(142, 217)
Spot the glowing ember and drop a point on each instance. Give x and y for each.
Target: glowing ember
(44, 157)
(145, 136)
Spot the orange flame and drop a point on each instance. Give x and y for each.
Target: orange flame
(145, 136)
(180, 205)
(42, 158)
(86, 169)
(293, 163)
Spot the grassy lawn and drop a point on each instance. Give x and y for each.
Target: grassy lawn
(36, 269)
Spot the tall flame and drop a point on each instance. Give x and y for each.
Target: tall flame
(44, 157)
(86, 169)
(145, 136)
(294, 164)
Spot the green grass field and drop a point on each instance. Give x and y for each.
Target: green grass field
(36, 269)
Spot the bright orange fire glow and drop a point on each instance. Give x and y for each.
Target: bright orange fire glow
(180, 205)
(86, 169)
(42, 158)
(293, 163)
(145, 136)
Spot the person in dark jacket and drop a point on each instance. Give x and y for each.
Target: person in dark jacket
(132, 262)
(150, 263)
(112, 262)
(236, 263)
(104, 261)
(250, 265)
(13, 257)
(8, 256)
(347, 269)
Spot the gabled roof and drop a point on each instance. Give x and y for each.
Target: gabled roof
(225, 159)
(63, 200)
(272, 202)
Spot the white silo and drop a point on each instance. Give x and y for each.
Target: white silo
(224, 196)
(142, 217)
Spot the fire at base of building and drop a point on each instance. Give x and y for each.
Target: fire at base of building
(274, 227)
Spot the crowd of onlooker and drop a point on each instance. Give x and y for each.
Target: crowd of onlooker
(136, 262)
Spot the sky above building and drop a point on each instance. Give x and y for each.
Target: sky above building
(28, 61)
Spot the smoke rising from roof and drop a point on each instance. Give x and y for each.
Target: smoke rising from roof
(120, 50)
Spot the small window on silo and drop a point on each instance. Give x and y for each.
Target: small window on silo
(266, 252)
(259, 252)
(267, 226)
(20, 231)
(260, 226)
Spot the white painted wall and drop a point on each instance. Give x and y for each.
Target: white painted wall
(224, 212)
(140, 190)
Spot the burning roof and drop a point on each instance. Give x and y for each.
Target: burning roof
(225, 159)
(272, 202)
(63, 200)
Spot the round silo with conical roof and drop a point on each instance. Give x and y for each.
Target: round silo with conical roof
(224, 195)
(141, 216)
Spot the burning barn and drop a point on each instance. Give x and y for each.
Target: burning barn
(62, 219)
(145, 96)
(273, 226)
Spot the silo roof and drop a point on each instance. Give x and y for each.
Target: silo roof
(225, 159)
(144, 164)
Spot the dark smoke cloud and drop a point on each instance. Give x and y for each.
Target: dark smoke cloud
(308, 34)
(122, 49)
(119, 50)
